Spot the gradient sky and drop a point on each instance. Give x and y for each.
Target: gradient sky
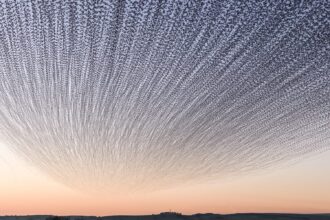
(128, 107)
(303, 187)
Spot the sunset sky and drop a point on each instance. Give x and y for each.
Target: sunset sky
(302, 187)
(139, 107)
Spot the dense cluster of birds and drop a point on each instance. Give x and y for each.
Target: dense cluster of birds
(148, 94)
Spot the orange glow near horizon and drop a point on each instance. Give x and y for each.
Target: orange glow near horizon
(25, 191)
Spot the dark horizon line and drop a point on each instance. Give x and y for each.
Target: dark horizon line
(170, 213)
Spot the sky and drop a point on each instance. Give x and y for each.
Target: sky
(141, 106)
(302, 187)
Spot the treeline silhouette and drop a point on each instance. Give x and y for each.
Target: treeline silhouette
(178, 216)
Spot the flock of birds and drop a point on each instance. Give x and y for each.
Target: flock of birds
(143, 95)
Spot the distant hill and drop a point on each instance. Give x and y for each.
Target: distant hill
(178, 216)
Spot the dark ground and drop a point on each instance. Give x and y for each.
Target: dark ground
(177, 216)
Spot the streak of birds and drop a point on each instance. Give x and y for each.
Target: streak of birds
(149, 94)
